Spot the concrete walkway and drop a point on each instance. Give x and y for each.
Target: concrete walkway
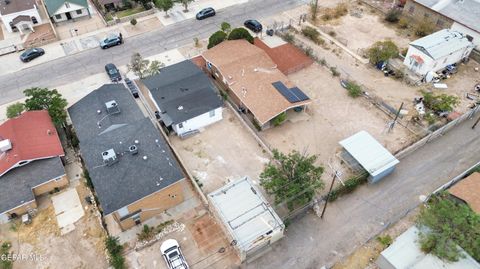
(351, 220)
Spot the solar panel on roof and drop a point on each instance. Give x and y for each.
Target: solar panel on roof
(293, 95)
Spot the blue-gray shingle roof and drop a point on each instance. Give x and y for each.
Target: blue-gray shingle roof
(133, 177)
(54, 5)
(183, 85)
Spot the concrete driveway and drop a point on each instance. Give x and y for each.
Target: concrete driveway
(350, 221)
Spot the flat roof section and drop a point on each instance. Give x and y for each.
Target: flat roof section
(367, 151)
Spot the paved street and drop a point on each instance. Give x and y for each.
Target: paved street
(351, 220)
(78, 66)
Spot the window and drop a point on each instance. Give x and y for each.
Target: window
(79, 12)
(34, 20)
(122, 212)
(58, 17)
(426, 15)
(411, 10)
(212, 113)
(440, 23)
(67, 5)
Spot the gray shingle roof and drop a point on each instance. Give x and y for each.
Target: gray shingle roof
(133, 177)
(183, 85)
(442, 43)
(54, 5)
(13, 6)
(466, 12)
(16, 185)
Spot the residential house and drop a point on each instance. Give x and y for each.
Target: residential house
(362, 152)
(253, 81)
(19, 15)
(434, 52)
(185, 98)
(64, 10)
(405, 253)
(30, 162)
(468, 191)
(249, 220)
(459, 15)
(133, 171)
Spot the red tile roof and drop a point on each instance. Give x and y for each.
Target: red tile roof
(33, 136)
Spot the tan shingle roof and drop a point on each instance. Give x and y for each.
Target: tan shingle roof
(469, 191)
(250, 73)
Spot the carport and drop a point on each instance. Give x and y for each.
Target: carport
(362, 151)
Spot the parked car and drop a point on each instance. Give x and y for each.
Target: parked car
(173, 255)
(31, 54)
(112, 40)
(253, 25)
(205, 13)
(132, 87)
(113, 72)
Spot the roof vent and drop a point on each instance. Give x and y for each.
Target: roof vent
(5, 145)
(99, 111)
(145, 158)
(49, 132)
(109, 157)
(112, 107)
(133, 149)
(180, 108)
(7, 2)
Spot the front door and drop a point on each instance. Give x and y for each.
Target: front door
(69, 17)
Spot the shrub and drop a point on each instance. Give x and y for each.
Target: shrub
(279, 119)
(288, 37)
(240, 33)
(424, 28)
(133, 22)
(354, 90)
(334, 71)
(216, 38)
(340, 10)
(332, 33)
(430, 118)
(382, 51)
(308, 51)
(393, 15)
(403, 23)
(385, 240)
(5, 252)
(146, 233)
(326, 17)
(311, 33)
(88, 180)
(440, 102)
(14, 110)
(350, 185)
(115, 250)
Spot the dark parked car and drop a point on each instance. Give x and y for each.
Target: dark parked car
(253, 25)
(31, 54)
(205, 13)
(113, 72)
(112, 40)
(132, 87)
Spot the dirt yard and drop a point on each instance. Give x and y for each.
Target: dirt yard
(223, 152)
(331, 117)
(200, 241)
(81, 248)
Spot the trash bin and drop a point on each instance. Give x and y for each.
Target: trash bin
(270, 32)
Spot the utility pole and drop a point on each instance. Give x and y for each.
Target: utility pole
(396, 117)
(475, 124)
(328, 195)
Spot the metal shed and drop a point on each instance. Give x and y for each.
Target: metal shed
(405, 253)
(361, 149)
(249, 220)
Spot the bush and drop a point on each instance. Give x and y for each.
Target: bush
(393, 15)
(88, 180)
(385, 240)
(326, 17)
(133, 22)
(403, 23)
(279, 119)
(334, 71)
(424, 28)
(288, 37)
(350, 185)
(340, 10)
(14, 110)
(115, 252)
(215, 39)
(332, 33)
(354, 90)
(441, 102)
(5, 252)
(146, 233)
(240, 33)
(381, 51)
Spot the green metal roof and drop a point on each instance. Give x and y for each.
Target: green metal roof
(54, 5)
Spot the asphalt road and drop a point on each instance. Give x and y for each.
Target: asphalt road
(90, 62)
(351, 220)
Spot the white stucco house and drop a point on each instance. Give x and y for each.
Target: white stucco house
(64, 10)
(19, 15)
(434, 52)
(185, 99)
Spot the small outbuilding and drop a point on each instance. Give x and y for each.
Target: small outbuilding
(405, 253)
(249, 220)
(361, 150)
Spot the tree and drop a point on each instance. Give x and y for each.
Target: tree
(292, 178)
(424, 27)
(115, 252)
(240, 33)
(164, 5)
(226, 27)
(142, 67)
(51, 100)
(133, 22)
(215, 39)
(441, 102)
(449, 224)
(144, 3)
(14, 110)
(382, 51)
(184, 3)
